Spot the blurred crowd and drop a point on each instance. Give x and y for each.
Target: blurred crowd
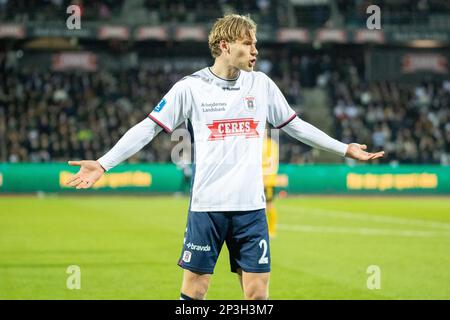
(393, 12)
(394, 6)
(410, 122)
(165, 11)
(51, 10)
(55, 116)
(51, 116)
(182, 11)
(274, 13)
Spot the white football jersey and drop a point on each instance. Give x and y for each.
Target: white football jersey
(228, 119)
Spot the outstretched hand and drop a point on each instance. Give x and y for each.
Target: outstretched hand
(357, 151)
(90, 172)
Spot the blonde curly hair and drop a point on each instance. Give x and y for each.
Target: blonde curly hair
(230, 28)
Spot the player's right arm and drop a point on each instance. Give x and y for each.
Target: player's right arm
(131, 142)
(167, 115)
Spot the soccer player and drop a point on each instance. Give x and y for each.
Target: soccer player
(227, 106)
(270, 168)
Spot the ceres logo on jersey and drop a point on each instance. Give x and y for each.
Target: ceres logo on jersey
(233, 127)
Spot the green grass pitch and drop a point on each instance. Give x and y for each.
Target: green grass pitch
(127, 248)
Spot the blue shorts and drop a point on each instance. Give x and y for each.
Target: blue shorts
(244, 232)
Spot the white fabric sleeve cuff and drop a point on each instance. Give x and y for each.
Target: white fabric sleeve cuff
(307, 133)
(131, 142)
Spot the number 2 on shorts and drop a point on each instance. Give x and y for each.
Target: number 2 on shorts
(263, 259)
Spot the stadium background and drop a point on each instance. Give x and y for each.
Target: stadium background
(71, 94)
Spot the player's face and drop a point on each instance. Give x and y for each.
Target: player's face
(243, 52)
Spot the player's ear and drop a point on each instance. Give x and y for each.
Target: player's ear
(224, 46)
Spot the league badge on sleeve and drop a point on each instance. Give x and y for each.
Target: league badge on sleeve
(160, 105)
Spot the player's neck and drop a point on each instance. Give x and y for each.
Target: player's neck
(224, 71)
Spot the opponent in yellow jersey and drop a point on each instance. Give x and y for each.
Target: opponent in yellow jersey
(270, 169)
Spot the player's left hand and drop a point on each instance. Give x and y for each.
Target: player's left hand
(90, 172)
(357, 151)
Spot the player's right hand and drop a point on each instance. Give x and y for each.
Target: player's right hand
(90, 172)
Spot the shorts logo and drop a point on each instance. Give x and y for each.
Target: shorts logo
(250, 103)
(234, 127)
(187, 256)
(160, 106)
(195, 247)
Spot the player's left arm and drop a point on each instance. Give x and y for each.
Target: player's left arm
(281, 116)
(314, 137)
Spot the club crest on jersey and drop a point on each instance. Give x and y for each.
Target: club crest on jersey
(250, 103)
(160, 105)
(233, 127)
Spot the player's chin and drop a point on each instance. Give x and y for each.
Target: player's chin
(249, 67)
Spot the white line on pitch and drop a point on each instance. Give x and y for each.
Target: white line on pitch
(363, 231)
(370, 217)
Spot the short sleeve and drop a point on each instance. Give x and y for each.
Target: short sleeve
(279, 113)
(173, 108)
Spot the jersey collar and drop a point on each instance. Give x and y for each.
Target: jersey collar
(224, 82)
